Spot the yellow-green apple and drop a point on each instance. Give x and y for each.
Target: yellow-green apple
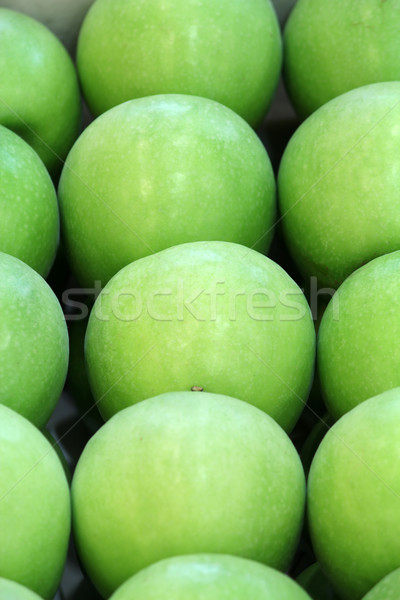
(33, 342)
(63, 17)
(29, 222)
(209, 577)
(210, 315)
(387, 589)
(11, 590)
(34, 507)
(358, 353)
(39, 91)
(160, 171)
(185, 473)
(133, 48)
(338, 183)
(353, 496)
(333, 47)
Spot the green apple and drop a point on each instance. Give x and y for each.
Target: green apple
(387, 589)
(34, 507)
(358, 351)
(29, 222)
(33, 342)
(63, 17)
(333, 47)
(186, 473)
(209, 315)
(160, 171)
(39, 89)
(316, 584)
(209, 577)
(338, 184)
(353, 496)
(230, 53)
(10, 590)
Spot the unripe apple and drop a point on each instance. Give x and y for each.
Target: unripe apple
(209, 577)
(186, 473)
(11, 590)
(230, 52)
(387, 589)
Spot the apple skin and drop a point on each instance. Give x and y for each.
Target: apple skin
(232, 54)
(38, 88)
(29, 221)
(209, 577)
(34, 507)
(387, 589)
(316, 584)
(160, 171)
(186, 473)
(209, 314)
(358, 354)
(33, 342)
(333, 47)
(10, 590)
(353, 496)
(63, 17)
(338, 184)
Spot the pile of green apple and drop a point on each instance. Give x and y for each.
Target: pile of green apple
(220, 463)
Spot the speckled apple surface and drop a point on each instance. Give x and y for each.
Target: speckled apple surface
(33, 342)
(29, 222)
(333, 47)
(210, 314)
(209, 577)
(338, 184)
(387, 589)
(353, 497)
(160, 171)
(39, 88)
(358, 354)
(230, 53)
(11, 590)
(34, 508)
(186, 473)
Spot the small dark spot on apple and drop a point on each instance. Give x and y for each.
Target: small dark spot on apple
(197, 388)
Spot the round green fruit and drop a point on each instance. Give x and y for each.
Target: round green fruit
(33, 342)
(314, 582)
(209, 315)
(186, 473)
(29, 223)
(39, 89)
(160, 171)
(230, 53)
(333, 47)
(338, 184)
(387, 589)
(209, 577)
(34, 508)
(358, 353)
(353, 496)
(10, 590)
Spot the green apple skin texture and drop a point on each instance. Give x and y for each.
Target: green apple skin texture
(159, 326)
(10, 590)
(339, 184)
(184, 473)
(387, 589)
(333, 47)
(232, 54)
(353, 496)
(29, 221)
(316, 584)
(358, 353)
(39, 88)
(33, 342)
(209, 577)
(34, 508)
(160, 171)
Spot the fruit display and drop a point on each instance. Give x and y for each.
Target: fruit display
(199, 300)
